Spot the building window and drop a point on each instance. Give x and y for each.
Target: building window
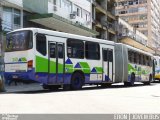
(78, 10)
(7, 19)
(11, 19)
(17, 17)
(66, 5)
(130, 2)
(55, 2)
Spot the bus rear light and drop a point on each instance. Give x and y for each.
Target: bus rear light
(30, 64)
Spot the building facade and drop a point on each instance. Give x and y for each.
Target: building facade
(11, 14)
(104, 20)
(70, 16)
(143, 15)
(127, 34)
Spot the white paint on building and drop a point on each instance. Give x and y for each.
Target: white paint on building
(12, 15)
(16, 2)
(73, 10)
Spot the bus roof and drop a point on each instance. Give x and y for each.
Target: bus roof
(66, 35)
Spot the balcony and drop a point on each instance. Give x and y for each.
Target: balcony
(99, 7)
(111, 15)
(61, 24)
(134, 36)
(110, 26)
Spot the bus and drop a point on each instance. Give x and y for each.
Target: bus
(133, 65)
(57, 59)
(157, 68)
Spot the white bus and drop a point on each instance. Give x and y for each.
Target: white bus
(58, 59)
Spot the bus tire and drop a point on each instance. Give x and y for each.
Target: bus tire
(131, 83)
(77, 81)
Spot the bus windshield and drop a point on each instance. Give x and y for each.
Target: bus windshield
(19, 41)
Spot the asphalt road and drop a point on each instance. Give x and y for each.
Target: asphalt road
(32, 98)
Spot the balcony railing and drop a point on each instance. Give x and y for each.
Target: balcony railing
(133, 36)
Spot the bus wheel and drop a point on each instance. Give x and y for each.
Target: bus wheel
(131, 83)
(77, 81)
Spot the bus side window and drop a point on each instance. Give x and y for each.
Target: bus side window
(144, 60)
(41, 45)
(92, 50)
(52, 50)
(135, 57)
(60, 51)
(140, 59)
(105, 55)
(147, 60)
(110, 55)
(129, 56)
(75, 48)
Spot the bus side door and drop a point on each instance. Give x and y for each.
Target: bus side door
(56, 62)
(108, 65)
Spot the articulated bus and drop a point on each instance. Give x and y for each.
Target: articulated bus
(58, 59)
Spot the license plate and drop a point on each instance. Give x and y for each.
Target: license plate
(15, 76)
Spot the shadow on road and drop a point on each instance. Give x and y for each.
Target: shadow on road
(86, 88)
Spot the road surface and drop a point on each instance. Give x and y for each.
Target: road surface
(32, 98)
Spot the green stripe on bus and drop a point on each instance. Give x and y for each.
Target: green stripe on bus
(41, 64)
(52, 67)
(99, 69)
(131, 69)
(60, 68)
(69, 68)
(85, 67)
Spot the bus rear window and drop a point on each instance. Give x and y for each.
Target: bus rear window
(19, 41)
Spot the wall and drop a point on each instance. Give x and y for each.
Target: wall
(64, 11)
(17, 2)
(38, 6)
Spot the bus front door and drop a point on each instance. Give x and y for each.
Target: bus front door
(107, 65)
(56, 62)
